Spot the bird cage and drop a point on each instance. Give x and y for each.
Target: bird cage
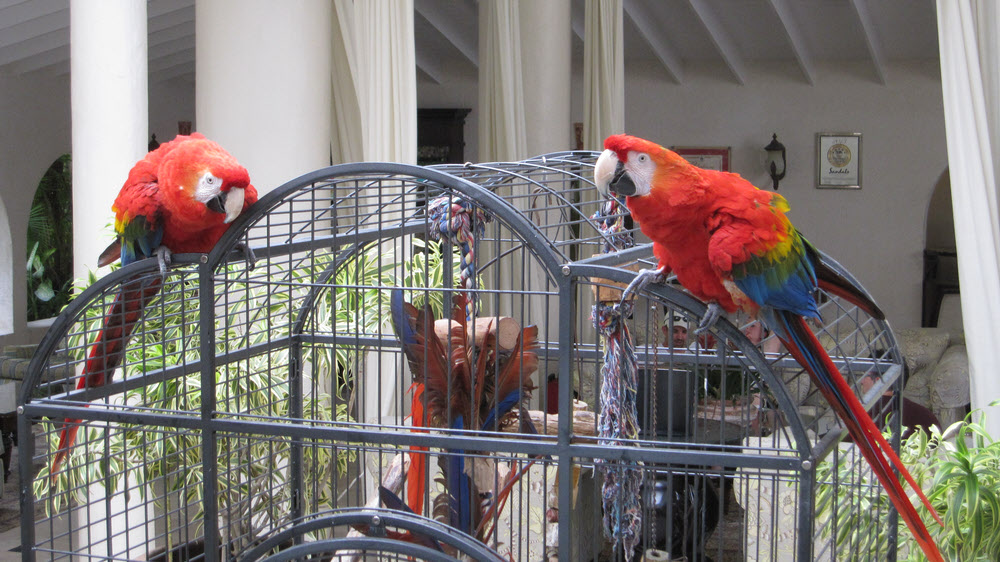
(383, 361)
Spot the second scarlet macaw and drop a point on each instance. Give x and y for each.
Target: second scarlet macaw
(179, 198)
(731, 245)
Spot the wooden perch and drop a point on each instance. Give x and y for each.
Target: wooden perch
(505, 328)
(607, 291)
(584, 421)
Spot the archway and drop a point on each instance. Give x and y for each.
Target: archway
(941, 286)
(6, 274)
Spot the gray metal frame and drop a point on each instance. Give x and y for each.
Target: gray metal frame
(569, 278)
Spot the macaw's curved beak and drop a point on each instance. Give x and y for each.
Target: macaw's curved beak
(604, 171)
(228, 202)
(610, 176)
(621, 182)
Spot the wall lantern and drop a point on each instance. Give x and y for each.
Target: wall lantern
(775, 161)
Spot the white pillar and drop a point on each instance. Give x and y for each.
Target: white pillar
(262, 88)
(109, 113)
(546, 66)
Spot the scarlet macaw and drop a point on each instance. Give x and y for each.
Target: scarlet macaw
(731, 245)
(181, 197)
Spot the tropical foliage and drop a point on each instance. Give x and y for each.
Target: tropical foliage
(958, 469)
(50, 242)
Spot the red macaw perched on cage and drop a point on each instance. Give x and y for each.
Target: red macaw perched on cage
(179, 198)
(462, 383)
(731, 245)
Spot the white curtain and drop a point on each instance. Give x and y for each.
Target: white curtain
(375, 94)
(603, 73)
(346, 130)
(387, 80)
(969, 40)
(502, 134)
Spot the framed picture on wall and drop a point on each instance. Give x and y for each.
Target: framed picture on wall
(838, 160)
(710, 158)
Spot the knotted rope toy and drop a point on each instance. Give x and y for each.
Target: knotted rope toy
(460, 222)
(618, 424)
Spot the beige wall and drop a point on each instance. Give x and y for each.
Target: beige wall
(877, 232)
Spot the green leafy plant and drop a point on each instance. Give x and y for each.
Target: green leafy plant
(959, 471)
(50, 242)
(251, 490)
(172, 458)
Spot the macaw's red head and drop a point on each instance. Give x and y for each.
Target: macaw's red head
(634, 167)
(198, 177)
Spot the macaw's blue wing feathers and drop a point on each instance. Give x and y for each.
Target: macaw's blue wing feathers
(795, 334)
(782, 277)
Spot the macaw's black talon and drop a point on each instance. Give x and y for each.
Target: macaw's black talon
(712, 315)
(248, 253)
(164, 257)
(642, 280)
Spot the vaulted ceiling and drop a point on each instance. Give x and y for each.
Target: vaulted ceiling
(677, 35)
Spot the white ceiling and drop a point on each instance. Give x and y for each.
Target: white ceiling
(810, 36)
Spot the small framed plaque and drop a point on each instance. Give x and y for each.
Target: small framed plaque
(838, 160)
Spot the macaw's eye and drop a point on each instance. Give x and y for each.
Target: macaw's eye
(211, 180)
(643, 158)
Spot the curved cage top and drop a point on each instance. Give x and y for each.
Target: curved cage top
(293, 375)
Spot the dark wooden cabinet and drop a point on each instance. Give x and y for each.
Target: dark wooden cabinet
(441, 135)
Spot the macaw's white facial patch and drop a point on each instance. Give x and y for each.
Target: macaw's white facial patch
(640, 167)
(208, 188)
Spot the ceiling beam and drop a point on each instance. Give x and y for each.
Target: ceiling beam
(430, 67)
(159, 22)
(182, 33)
(39, 61)
(35, 45)
(164, 7)
(794, 35)
(163, 61)
(655, 38)
(35, 27)
(14, 14)
(462, 37)
(175, 71)
(579, 23)
(722, 41)
(871, 37)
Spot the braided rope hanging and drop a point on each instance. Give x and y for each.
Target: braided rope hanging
(459, 222)
(618, 423)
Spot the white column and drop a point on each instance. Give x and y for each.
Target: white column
(110, 124)
(262, 88)
(546, 69)
(109, 114)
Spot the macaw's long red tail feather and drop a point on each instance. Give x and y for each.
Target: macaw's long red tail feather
(108, 349)
(66, 438)
(807, 350)
(416, 478)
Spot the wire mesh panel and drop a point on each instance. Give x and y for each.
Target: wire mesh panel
(407, 366)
